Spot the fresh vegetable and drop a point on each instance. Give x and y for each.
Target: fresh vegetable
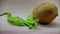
(46, 12)
(18, 21)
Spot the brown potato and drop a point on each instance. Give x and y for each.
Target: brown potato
(45, 12)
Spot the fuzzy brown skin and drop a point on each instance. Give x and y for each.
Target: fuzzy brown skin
(46, 12)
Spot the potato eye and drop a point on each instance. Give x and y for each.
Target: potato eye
(49, 11)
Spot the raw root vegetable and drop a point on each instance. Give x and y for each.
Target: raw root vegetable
(45, 12)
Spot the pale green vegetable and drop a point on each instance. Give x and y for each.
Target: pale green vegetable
(18, 21)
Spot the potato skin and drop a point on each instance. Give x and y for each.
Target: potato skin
(45, 12)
